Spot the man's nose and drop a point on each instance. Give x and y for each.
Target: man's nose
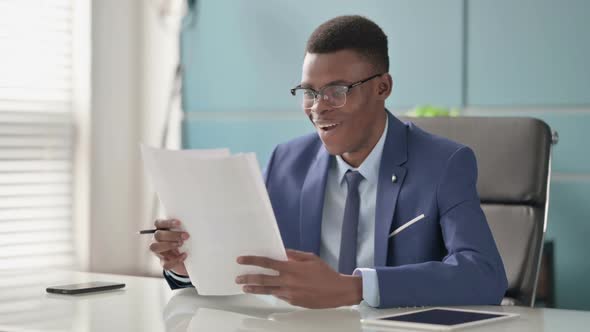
(320, 105)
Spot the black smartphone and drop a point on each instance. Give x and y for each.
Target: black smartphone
(87, 287)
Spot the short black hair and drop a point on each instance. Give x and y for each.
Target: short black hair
(351, 32)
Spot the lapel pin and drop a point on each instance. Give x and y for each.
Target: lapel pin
(393, 178)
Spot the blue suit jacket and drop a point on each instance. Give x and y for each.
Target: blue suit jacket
(447, 258)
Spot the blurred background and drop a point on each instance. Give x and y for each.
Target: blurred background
(83, 82)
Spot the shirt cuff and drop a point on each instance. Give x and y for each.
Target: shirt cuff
(177, 277)
(370, 285)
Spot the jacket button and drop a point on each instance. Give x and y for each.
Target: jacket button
(393, 178)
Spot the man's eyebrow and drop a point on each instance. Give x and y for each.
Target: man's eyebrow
(336, 82)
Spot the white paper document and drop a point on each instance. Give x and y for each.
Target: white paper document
(223, 204)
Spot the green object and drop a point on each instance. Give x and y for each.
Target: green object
(428, 111)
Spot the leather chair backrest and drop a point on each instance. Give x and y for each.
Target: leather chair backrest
(513, 157)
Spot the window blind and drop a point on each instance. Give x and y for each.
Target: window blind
(36, 134)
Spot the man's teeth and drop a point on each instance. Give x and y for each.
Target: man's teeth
(329, 126)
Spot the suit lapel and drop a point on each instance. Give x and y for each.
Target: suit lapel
(312, 202)
(394, 155)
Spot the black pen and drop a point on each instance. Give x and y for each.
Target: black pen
(152, 231)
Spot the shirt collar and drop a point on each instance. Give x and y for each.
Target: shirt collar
(369, 168)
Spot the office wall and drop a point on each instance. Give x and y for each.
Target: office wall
(242, 57)
(114, 155)
(531, 58)
(134, 55)
(488, 57)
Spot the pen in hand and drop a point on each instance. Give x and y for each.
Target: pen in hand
(152, 231)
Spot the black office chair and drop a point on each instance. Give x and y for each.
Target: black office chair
(514, 162)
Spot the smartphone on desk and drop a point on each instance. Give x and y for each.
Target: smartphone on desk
(87, 287)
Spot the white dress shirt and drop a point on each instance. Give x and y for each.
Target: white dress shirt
(333, 214)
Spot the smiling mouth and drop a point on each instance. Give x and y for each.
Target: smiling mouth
(327, 126)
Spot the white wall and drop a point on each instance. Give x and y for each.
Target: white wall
(114, 133)
(133, 58)
(159, 58)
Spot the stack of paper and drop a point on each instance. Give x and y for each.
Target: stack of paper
(223, 204)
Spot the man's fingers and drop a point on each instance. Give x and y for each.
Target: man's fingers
(280, 292)
(160, 247)
(172, 264)
(172, 254)
(300, 255)
(265, 262)
(259, 279)
(170, 236)
(169, 262)
(166, 223)
(266, 290)
(166, 243)
(284, 298)
(283, 294)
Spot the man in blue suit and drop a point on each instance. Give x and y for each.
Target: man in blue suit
(370, 208)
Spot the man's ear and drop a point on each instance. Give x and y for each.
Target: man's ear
(385, 86)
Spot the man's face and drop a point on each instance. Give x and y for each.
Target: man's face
(348, 129)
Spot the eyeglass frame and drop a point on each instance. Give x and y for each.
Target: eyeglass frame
(319, 92)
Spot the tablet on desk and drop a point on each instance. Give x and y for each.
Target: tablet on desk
(439, 319)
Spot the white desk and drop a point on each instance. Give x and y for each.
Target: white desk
(147, 304)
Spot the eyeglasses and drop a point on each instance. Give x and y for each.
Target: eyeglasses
(333, 95)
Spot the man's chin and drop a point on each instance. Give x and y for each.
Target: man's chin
(333, 144)
(334, 149)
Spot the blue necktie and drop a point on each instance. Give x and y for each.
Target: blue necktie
(348, 239)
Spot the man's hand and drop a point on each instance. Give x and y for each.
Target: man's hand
(165, 246)
(304, 280)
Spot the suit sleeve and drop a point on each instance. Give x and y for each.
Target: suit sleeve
(175, 281)
(472, 272)
(267, 170)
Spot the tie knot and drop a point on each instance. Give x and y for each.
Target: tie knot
(353, 178)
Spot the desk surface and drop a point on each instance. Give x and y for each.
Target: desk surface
(147, 304)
